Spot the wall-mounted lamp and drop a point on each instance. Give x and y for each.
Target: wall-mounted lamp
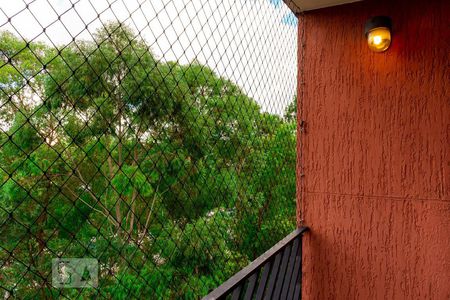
(378, 33)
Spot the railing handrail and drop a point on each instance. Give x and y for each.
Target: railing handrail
(253, 266)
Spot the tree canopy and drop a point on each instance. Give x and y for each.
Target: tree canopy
(168, 174)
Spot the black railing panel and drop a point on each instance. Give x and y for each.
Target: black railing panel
(274, 275)
(295, 280)
(263, 280)
(290, 270)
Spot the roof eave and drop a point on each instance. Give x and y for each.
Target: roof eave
(298, 6)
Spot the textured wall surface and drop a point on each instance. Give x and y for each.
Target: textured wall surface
(376, 153)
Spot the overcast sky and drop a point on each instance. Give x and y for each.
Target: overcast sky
(251, 42)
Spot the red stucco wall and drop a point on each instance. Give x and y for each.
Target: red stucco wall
(376, 153)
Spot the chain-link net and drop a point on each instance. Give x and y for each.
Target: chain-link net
(155, 137)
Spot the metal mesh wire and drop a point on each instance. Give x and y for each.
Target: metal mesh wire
(155, 136)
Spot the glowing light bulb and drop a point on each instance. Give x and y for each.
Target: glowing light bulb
(377, 40)
(378, 33)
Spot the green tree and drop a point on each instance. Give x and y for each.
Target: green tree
(168, 174)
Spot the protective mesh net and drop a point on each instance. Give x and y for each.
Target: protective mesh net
(156, 137)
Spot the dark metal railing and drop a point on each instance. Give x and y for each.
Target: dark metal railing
(274, 275)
